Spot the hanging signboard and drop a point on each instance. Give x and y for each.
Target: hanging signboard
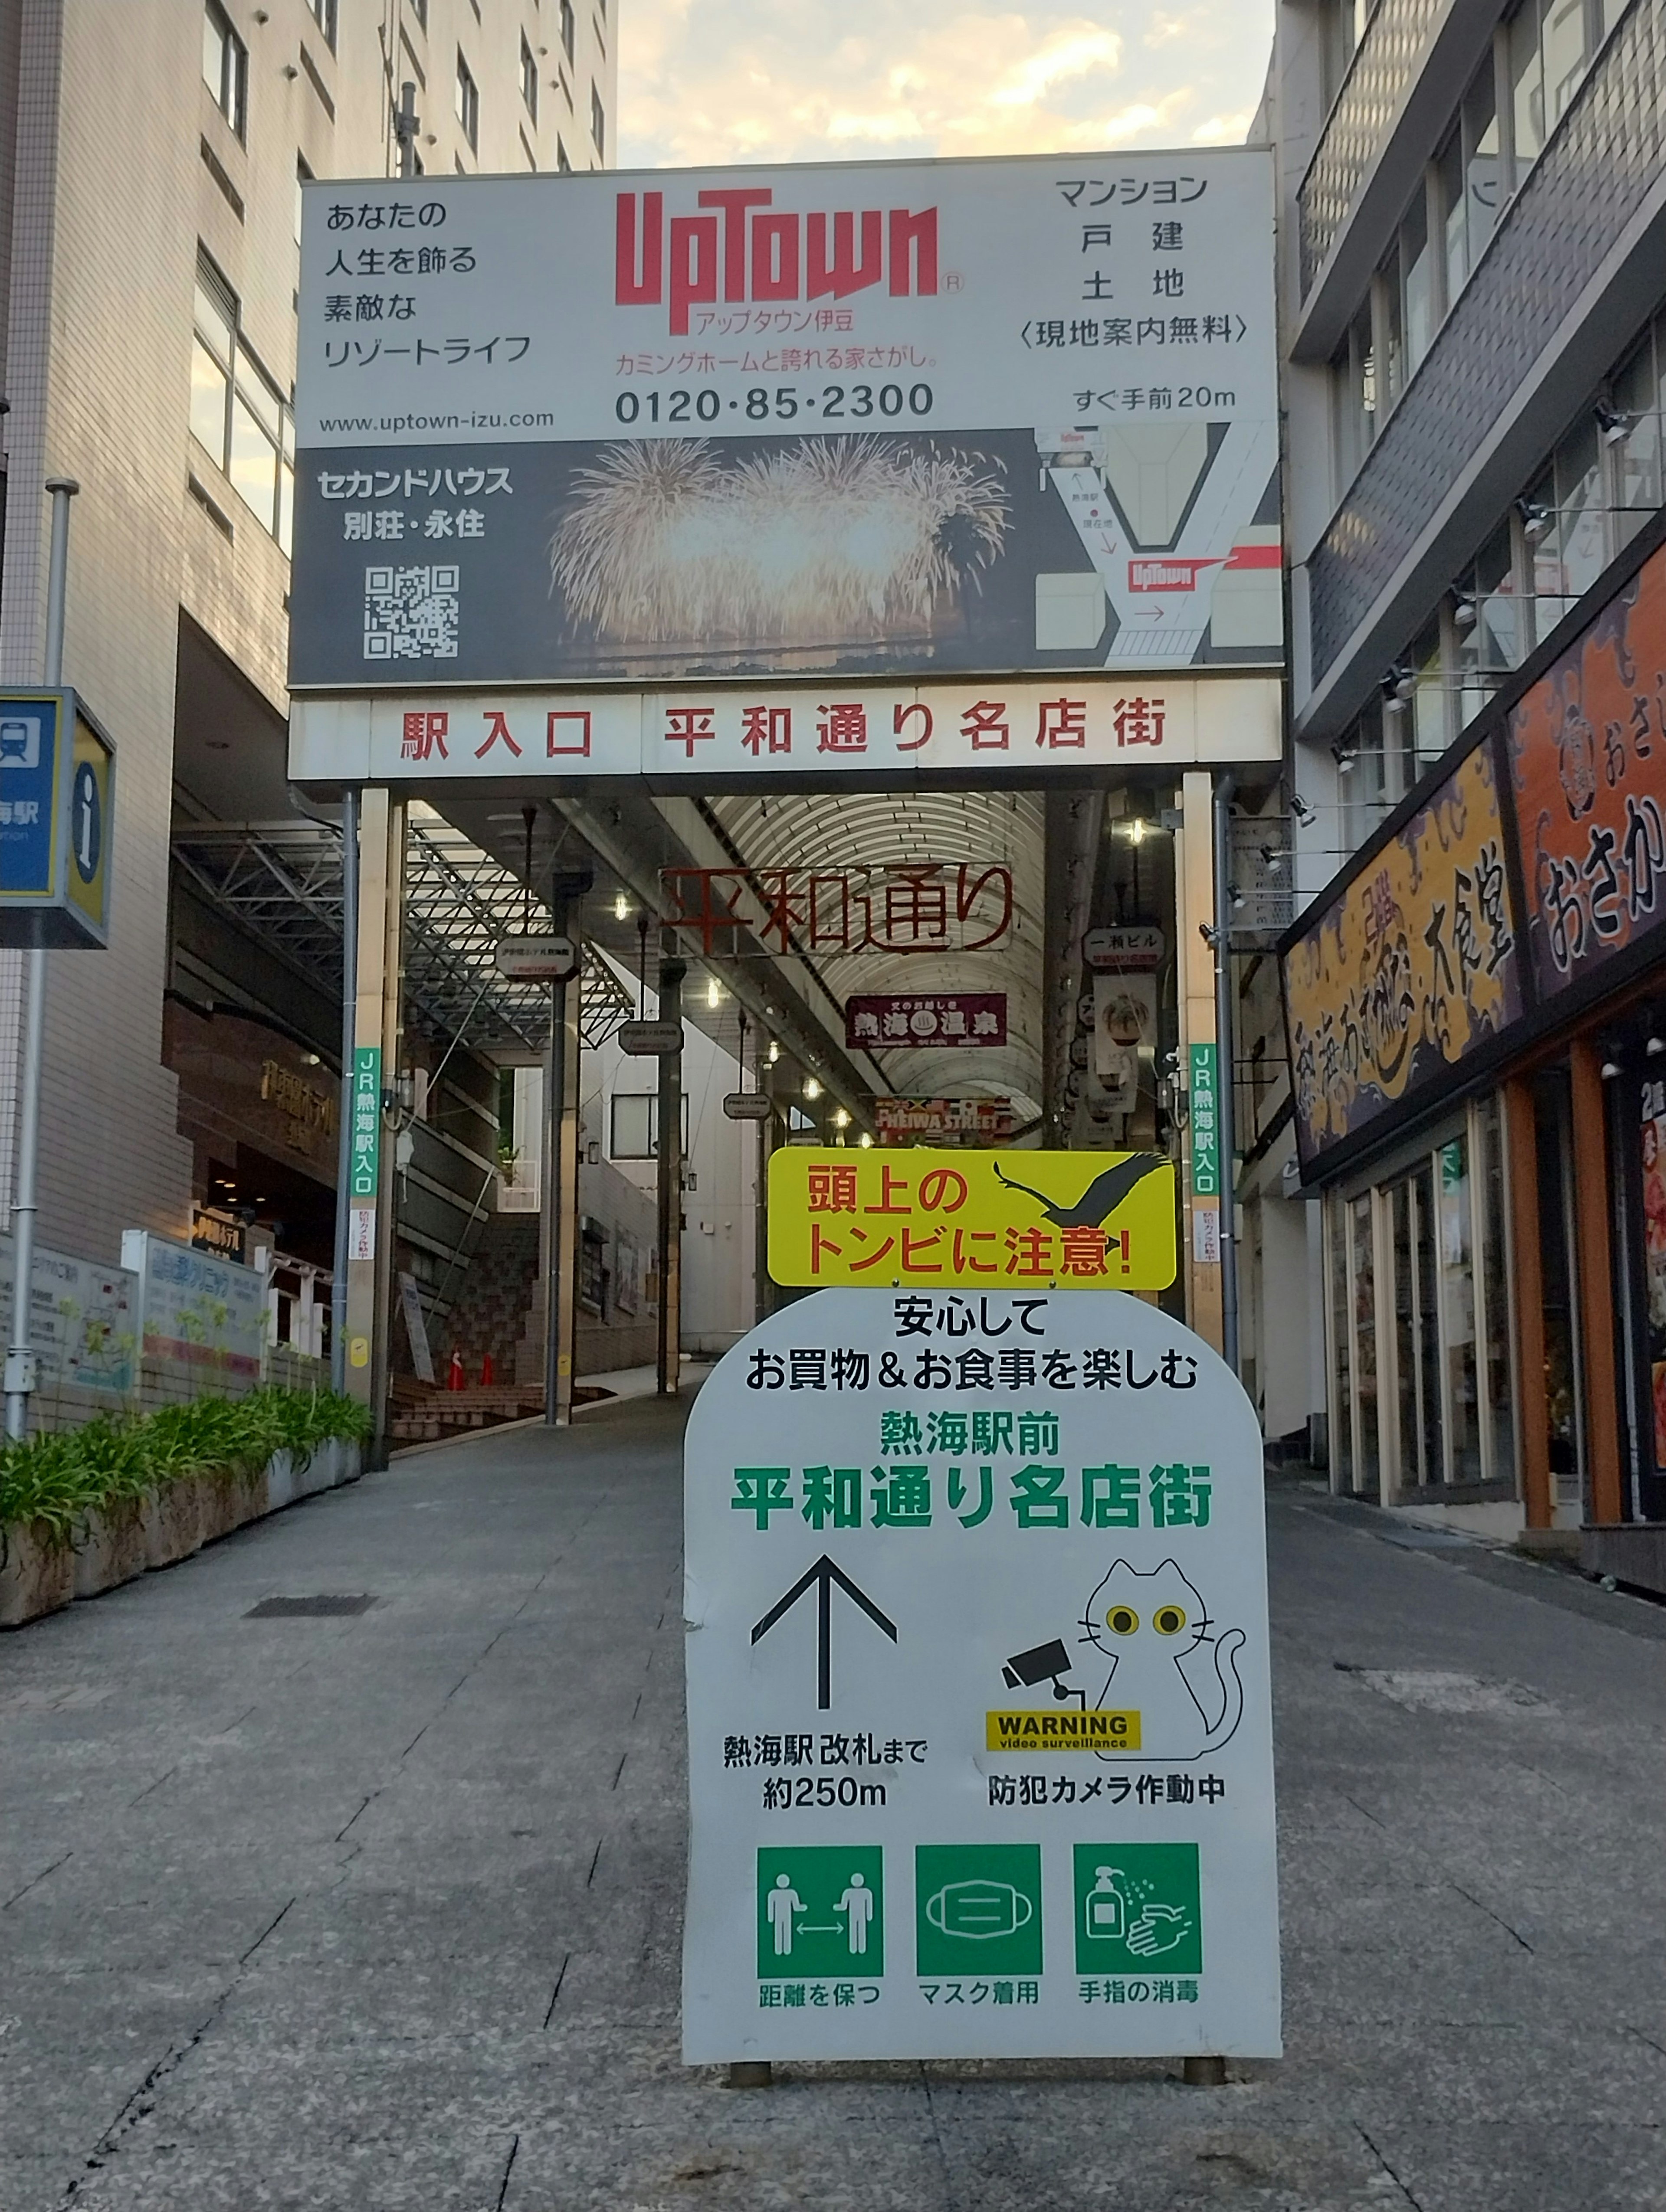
(1014, 414)
(1128, 951)
(1067, 1220)
(874, 1020)
(58, 773)
(980, 1745)
(921, 1121)
(365, 1172)
(784, 734)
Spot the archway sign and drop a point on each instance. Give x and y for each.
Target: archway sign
(980, 1739)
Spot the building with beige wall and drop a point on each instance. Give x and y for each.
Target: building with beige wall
(150, 156)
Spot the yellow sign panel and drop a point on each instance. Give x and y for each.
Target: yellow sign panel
(1066, 1731)
(1006, 1221)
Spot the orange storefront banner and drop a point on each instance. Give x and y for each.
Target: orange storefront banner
(1415, 964)
(1587, 761)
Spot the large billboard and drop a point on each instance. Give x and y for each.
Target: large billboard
(864, 419)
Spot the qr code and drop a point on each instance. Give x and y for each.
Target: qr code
(410, 614)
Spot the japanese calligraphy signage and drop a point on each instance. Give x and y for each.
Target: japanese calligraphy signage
(926, 906)
(876, 1019)
(980, 1744)
(365, 1172)
(1204, 1109)
(1415, 964)
(1067, 1220)
(56, 784)
(922, 1120)
(995, 414)
(784, 734)
(1588, 752)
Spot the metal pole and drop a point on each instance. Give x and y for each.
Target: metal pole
(669, 1189)
(556, 1291)
(350, 993)
(20, 1358)
(1224, 1047)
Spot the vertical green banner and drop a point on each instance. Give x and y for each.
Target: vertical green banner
(1206, 1127)
(366, 1123)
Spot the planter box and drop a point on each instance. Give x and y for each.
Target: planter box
(349, 1459)
(229, 1501)
(113, 1549)
(174, 1521)
(35, 1579)
(280, 1484)
(317, 1470)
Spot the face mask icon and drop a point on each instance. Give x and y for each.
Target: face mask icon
(979, 1909)
(20, 744)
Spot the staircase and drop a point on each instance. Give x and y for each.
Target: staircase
(490, 1309)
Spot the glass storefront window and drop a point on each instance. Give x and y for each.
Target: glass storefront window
(1457, 1302)
(1342, 1412)
(1495, 1293)
(1438, 1408)
(1364, 1342)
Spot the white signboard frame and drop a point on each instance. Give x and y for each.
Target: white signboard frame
(788, 735)
(979, 1712)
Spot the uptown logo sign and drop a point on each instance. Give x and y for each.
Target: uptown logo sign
(746, 249)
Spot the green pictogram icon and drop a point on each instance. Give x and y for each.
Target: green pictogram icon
(1138, 1909)
(821, 1912)
(977, 1908)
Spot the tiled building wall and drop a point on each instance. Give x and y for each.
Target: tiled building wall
(111, 194)
(1605, 159)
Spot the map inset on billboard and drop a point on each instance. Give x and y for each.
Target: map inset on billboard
(863, 419)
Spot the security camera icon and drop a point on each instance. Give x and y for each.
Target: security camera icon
(1042, 1662)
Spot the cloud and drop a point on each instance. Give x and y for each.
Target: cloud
(732, 81)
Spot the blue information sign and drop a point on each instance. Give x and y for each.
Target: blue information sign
(28, 819)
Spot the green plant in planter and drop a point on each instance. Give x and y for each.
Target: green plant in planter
(52, 1483)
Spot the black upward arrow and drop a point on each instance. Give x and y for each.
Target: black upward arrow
(822, 1577)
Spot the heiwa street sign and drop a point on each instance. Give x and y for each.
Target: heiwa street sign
(980, 1743)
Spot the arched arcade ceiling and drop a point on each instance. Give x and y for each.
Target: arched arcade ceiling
(836, 830)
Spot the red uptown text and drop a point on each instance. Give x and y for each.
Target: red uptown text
(747, 249)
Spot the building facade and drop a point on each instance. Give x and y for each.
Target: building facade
(151, 157)
(1473, 270)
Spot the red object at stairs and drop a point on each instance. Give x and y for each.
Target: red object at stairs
(456, 1380)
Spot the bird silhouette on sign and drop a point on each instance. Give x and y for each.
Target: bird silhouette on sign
(1102, 1197)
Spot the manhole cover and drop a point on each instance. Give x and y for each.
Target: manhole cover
(1430, 1690)
(301, 1608)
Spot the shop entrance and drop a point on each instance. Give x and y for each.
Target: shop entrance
(1418, 1266)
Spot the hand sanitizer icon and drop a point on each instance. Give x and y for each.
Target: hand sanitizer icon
(1104, 1907)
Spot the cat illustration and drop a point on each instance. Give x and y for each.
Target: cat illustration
(1148, 1625)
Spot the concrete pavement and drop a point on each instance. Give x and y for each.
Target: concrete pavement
(382, 1910)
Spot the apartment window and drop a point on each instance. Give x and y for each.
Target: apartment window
(1417, 266)
(529, 77)
(634, 1126)
(563, 166)
(238, 414)
(1354, 383)
(1636, 457)
(324, 15)
(570, 29)
(468, 101)
(225, 66)
(598, 122)
(1488, 628)
(303, 176)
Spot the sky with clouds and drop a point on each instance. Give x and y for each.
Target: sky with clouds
(728, 80)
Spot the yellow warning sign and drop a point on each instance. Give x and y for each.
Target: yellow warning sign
(1006, 1221)
(1069, 1731)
